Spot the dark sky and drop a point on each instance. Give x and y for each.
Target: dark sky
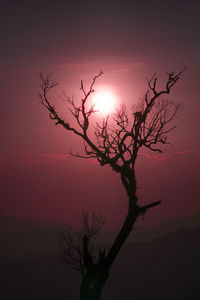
(128, 40)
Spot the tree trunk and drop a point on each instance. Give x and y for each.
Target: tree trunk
(92, 284)
(87, 293)
(94, 279)
(132, 215)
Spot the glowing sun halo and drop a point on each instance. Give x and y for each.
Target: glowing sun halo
(104, 101)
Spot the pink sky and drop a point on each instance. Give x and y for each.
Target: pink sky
(38, 178)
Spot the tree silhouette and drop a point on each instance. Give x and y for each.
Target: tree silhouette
(145, 125)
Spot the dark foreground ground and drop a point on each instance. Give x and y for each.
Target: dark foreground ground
(165, 268)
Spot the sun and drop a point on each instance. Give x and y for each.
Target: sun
(104, 101)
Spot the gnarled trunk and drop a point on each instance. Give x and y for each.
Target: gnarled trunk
(92, 284)
(94, 279)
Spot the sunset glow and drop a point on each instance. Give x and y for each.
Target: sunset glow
(104, 101)
(75, 40)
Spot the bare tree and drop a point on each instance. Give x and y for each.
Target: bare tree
(116, 143)
(78, 249)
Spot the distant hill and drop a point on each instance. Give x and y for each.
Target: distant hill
(166, 268)
(144, 234)
(26, 225)
(22, 238)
